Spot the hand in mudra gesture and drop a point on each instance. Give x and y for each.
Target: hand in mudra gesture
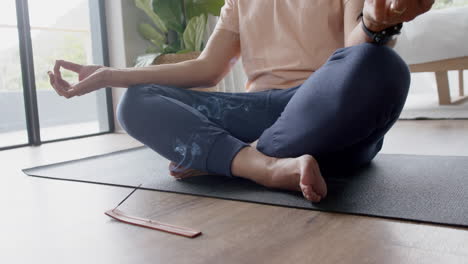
(381, 14)
(90, 78)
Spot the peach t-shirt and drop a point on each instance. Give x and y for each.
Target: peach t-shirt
(283, 41)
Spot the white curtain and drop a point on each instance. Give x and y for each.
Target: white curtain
(236, 79)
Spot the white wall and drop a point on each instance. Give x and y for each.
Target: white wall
(125, 44)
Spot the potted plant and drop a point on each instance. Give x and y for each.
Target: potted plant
(177, 29)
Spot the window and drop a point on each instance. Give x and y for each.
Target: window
(12, 115)
(37, 33)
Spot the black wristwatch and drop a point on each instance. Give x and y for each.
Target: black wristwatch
(383, 36)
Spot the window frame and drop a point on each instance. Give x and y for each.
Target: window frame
(100, 56)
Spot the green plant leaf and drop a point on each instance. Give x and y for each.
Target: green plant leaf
(193, 34)
(157, 44)
(146, 60)
(183, 51)
(195, 8)
(148, 32)
(170, 11)
(169, 49)
(145, 5)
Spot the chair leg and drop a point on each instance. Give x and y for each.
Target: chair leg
(460, 82)
(443, 88)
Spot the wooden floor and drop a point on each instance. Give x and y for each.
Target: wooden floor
(49, 221)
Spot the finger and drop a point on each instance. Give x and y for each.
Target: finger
(379, 10)
(57, 73)
(71, 66)
(397, 5)
(85, 86)
(54, 84)
(65, 85)
(60, 86)
(53, 81)
(51, 78)
(397, 9)
(59, 83)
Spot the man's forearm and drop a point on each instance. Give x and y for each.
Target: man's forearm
(188, 74)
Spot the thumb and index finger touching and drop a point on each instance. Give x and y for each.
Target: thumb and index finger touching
(57, 75)
(68, 65)
(58, 83)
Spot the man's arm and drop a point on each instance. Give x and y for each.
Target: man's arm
(378, 15)
(207, 70)
(353, 32)
(222, 49)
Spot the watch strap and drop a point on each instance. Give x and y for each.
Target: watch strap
(383, 36)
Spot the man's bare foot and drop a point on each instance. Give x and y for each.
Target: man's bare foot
(298, 174)
(295, 174)
(180, 173)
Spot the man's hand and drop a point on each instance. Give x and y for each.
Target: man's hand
(90, 78)
(381, 14)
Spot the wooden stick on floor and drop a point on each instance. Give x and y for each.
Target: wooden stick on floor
(148, 223)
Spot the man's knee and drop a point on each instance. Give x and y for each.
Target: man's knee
(133, 107)
(130, 105)
(125, 108)
(372, 76)
(381, 70)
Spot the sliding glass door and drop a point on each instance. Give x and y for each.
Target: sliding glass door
(45, 31)
(12, 116)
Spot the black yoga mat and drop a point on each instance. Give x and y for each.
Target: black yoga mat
(431, 189)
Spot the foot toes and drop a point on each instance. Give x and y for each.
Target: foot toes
(178, 174)
(310, 194)
(188, 173)
(313, 197)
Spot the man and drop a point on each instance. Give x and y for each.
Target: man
(302, 112)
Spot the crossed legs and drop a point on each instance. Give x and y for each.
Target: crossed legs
(336, 119)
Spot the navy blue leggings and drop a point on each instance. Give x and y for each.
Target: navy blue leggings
(339, 115)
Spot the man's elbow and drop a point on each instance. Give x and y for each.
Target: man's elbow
(212, 74)
(213, 80)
